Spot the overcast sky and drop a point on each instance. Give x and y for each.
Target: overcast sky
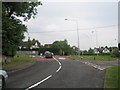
(50, 24)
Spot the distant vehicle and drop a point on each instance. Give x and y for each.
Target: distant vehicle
(48, 54)
(3, 78)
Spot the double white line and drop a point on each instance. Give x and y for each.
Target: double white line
(38, 83)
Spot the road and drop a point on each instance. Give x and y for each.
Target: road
(57, 73)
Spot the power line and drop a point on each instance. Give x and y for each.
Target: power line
(75, 30)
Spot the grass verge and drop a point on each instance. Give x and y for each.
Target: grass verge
(112, 77)
(18, 60)
(94, 57)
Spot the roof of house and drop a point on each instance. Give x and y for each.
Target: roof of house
(36, 41)
(101, 49)
(24, 43)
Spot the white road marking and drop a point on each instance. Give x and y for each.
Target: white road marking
(94, 65)
(62, 58)
(58, 69)
(38, 82)
(59, 64)
(58, 61)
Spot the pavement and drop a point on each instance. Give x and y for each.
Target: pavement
(20, 67)
(57, 72)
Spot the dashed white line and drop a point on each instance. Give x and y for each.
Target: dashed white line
(59, 64)
(38, 82)
(58, 61)
(94, 65)
(58, 69)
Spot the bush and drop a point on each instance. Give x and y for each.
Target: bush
(115, 53)
(104, 54)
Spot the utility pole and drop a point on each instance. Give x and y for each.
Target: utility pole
(77, 34)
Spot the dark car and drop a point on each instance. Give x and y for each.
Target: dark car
(48, 54)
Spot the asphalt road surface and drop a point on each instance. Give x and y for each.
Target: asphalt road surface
(57, 73)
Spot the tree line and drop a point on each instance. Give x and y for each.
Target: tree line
(57, 47)
(13, 28)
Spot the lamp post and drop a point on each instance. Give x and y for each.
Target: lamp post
(96, 40)
(77, 33)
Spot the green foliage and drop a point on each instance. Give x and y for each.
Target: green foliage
(104, 53)
(115, 53)
(20, 9)
(94, 57)
(112, 77)
(12, 35)
(12, 27)
(53, 50)
(60, 52)
(18, 60)
(85, 52)
(89, 52)
(119, 46)
(62, 46)
(29, 44)
(112, 48)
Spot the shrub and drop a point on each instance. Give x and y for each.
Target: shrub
(115, 53)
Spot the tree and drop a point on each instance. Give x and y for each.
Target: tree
(12, 27)
(20, 9)
(119, 46)
(29, 43)
(62, 46)
(115, 53)
(90, 51)
(85, 52)
(60, 52)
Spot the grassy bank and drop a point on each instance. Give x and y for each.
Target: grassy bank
(112, 77)
(18, 60)
(94, 57)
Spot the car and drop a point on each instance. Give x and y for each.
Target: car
(3, 78)
(48, 54)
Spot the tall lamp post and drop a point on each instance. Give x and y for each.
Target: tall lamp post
(77, 33)
(96, 40)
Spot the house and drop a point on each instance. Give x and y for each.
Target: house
(106, 50)
(27, 45)
(30, 44)
(75, 48)
(47, 45)
(35, 44)
(96, 50)
(101, 50)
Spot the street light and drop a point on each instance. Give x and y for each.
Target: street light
(77, 33)
(96, 37)
(96, 40)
